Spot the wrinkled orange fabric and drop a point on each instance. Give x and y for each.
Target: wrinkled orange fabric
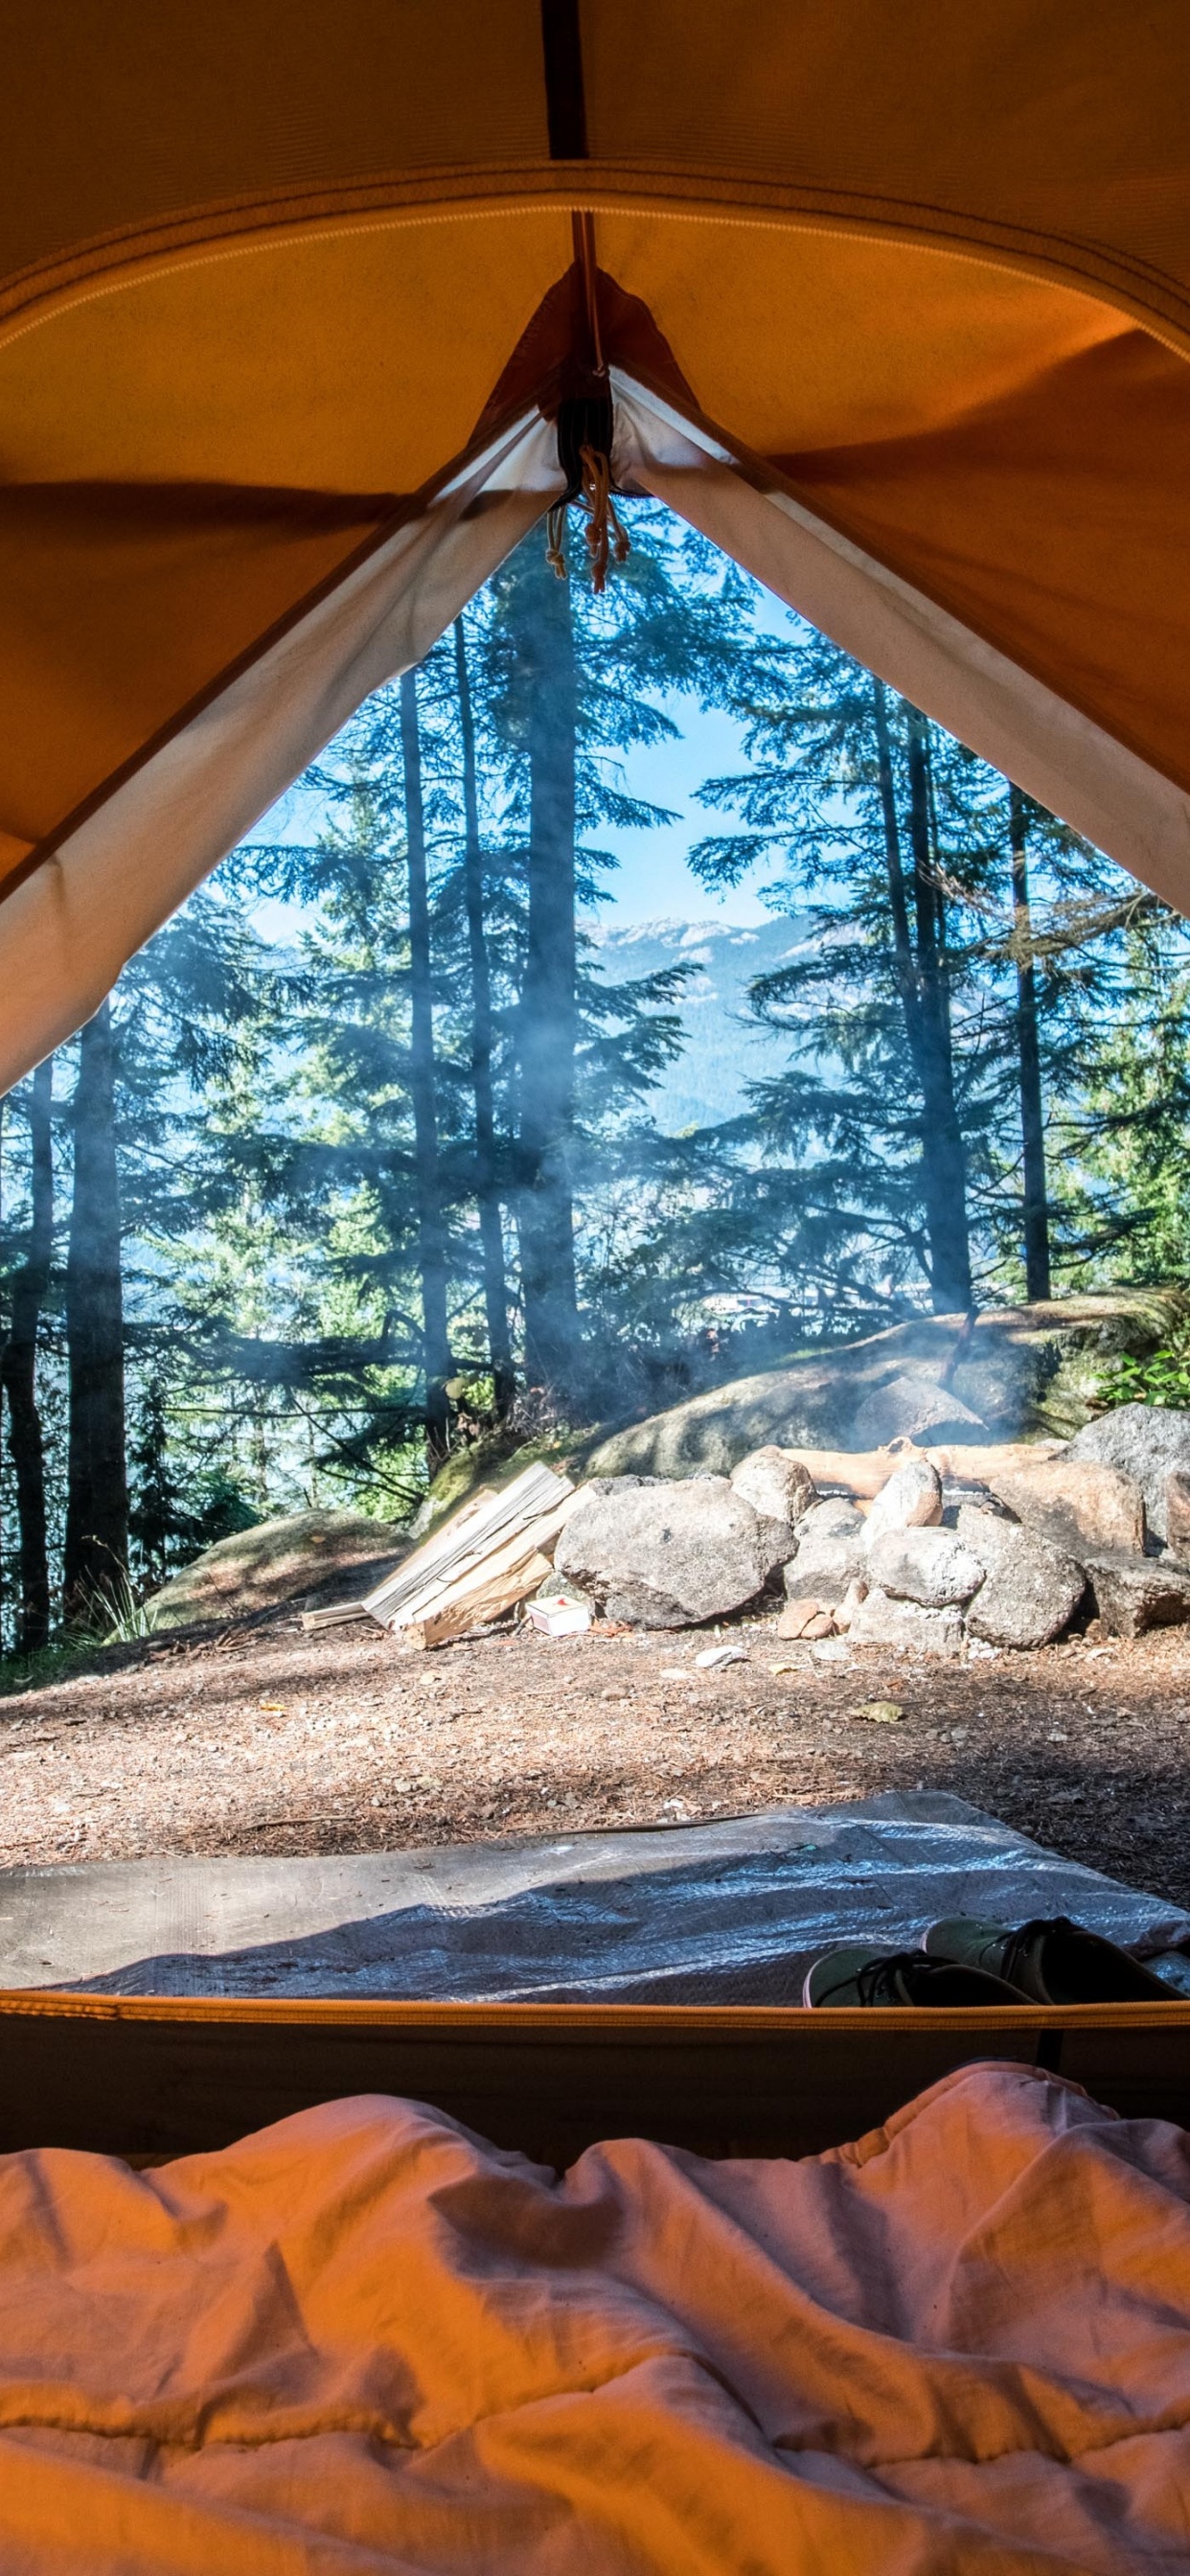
(364, 2340)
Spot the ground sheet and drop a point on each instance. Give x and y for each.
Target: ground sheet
(715, 1913)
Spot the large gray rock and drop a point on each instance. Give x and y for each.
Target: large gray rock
(1146, 1441)
(912, 1499)
(830, 1554)
(1020, 1369)
(780, 1491)
(932, 1566)
(776, 1484)
(882, 1620)
(665, 1554)
(913, 1408)
(1030, 1590)
(1076, 1503)
(1133, 1593)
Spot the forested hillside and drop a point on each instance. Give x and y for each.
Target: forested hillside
(290, 1222)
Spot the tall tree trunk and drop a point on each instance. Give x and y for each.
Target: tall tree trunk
(95, 1557)
(3, 1345)
(944, 1163)
(431, 1244)
(1036, 1211)
(25, 1442)
(491, 1232)
(548, 1016)
(903, 963)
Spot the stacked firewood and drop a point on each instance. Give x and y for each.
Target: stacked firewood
(491, 1554)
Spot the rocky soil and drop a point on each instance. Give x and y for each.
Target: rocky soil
(265, 1739)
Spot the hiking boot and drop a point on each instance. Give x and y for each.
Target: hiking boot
(1052, 1962)
(861, 1976)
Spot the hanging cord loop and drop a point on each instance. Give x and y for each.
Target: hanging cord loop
(555, 539)
(605, 532)
(586, 424)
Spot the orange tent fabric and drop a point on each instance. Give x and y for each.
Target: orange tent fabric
(363, 2341)
(280, 282)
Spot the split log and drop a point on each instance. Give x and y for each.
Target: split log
(488, 1535)
(470, 1536)
(336, 1616)
(863, 1472)
(499, 1564)
(480, 1604)
(433, 1551)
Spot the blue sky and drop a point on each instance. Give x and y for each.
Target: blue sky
(653, 882)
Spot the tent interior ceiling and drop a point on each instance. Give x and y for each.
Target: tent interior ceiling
(262, 265)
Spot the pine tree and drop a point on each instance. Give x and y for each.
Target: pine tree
(1125, 1131)
(538, 1061)
(18, 1372)
(536, 609)
(95, 1555)
(487, 1159)
(957, 954)
(573, 681)
(1036, 1213)
(427, 1179)
(846, 788)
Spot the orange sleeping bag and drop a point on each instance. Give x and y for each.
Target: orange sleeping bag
(364, 2341)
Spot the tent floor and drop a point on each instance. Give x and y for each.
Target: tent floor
(150, 2078)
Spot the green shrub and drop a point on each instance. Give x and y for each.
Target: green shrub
(1162, 1378)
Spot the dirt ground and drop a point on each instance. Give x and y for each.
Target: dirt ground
(266, 1739)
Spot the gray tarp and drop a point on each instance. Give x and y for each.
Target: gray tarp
(725, 1913)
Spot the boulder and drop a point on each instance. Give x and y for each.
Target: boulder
(294, 1558)
(778, 1541)
(1019, 1369)
(1177, 1512)
(912, 1499)
(663, 1554)
(1133, 1593)
(1146, 1441)
(830, 1553)
(776, 1484)
(1030, 1590)
(882, 1620)
(780, 1491)
(1076, 1503)
(910, 1408)
(931, 1566)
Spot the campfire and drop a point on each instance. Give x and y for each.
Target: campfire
(946, 1551)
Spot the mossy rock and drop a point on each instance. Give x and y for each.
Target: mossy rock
(1021, 1372)
(303, 1555)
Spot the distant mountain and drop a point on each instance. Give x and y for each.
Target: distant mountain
(724, 1049)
